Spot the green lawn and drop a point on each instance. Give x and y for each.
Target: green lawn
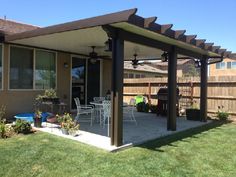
(211, 152)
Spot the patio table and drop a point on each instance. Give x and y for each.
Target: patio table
(98, 107)
(61, 105)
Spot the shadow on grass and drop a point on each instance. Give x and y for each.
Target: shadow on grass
(168, 140)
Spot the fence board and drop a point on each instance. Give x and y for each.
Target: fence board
(221, 90)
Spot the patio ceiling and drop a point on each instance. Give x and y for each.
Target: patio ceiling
(80, 42)
(77, 36)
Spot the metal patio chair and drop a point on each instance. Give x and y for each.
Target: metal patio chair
(129, 111)
(84, 110)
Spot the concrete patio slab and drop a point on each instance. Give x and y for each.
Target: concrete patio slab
(149, 127)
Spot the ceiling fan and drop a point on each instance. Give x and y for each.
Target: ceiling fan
(93, 56)
(135, 61)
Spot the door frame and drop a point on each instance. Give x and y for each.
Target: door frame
(86, 78)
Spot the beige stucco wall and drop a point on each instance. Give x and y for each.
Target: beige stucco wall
(106, 77)
(147, 74)
(19, 101)
(222, 72)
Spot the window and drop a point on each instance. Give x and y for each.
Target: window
(27, 72)
(131, 75)
(228, 65)
(137, 75)
(143, 76)
(45, 70)
(21, 68)
(233, 65)
(1, 67)
(220, 65)
(126, 75)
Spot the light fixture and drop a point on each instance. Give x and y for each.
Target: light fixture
(93, 60)
(135, 61)
(108, 45)
(66, 65)
(197, 63)
(164, 57)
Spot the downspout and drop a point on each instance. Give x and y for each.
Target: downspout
(218, 61)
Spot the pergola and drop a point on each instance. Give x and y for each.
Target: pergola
(128, 29)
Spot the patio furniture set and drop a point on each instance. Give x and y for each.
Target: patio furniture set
(99, 111)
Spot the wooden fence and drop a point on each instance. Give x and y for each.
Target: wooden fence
(221, 90)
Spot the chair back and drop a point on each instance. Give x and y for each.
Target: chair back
(98, 99)
(106, 105)
(77, 103)
(132, 102)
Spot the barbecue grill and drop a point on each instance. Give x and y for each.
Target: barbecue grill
(162, 96)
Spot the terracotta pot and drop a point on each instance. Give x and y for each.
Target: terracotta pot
(193, 114)
(37, 122)
(64, 131)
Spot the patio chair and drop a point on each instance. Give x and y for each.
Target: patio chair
(98, 108)
(84, 110)
(106, 106)
(129, 111)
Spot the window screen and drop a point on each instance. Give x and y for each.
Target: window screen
(45, 70)
(21, 68)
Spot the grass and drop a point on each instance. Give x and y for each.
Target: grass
(208, 151)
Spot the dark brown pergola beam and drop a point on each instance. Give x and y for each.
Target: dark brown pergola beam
(203, 90)
(188, 38)
(149, 21)
(227, 54)
(179, 33)
(208, 46)
(200, 43)
(165, 27)
(215, 48)
(221, 51)
(172, 84)
(116, 130)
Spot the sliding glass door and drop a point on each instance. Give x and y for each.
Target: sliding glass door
(78, 74)
(85, 80)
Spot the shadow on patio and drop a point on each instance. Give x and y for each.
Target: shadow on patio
(181, 136)
(149, 127)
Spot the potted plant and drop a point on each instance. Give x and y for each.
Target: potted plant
(38, 118)
(49, 95)
(68, 126)
(193, 113)
(222, 114)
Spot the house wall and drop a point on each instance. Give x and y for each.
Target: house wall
(106, 78)
(19, 101)
(146, 74)
(222, 72)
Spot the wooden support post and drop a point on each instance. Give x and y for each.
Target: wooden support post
(203, 94)
(117, 91)
(149, 93)
(172, 69)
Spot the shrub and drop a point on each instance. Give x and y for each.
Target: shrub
(222, 114)
(142, 107)
(6, 130)
(153, 108)
(22, 126)
(2, 113)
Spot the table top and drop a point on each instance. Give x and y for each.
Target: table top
(100, 103)
(50, 103)
(96, 103)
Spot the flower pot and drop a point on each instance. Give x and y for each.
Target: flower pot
(72, 132)
(64, 131)
(193, 114)
(37, 122)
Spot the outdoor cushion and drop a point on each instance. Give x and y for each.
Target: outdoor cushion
(138, 99)
(29, 116)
